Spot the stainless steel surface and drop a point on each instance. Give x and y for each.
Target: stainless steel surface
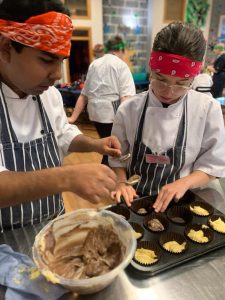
(202, 278)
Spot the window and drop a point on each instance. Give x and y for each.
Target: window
(78, 8)
(174, 10)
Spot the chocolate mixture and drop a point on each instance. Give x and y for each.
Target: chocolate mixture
(83, 252)
(155, 225)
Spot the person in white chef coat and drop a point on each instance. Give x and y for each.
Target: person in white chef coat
(108, 83)
(35, 37)
(98, 51)
(203, 83)
(175, 135)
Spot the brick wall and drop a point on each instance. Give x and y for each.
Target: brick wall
(128, 18)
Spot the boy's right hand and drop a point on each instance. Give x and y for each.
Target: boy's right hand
(90, 181)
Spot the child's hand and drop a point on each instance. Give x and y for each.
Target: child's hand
(127, 192)
(172, 191)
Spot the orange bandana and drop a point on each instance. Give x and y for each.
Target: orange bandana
(50, 32)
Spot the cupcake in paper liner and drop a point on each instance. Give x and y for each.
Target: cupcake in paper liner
(200, 208)
(199, 233)
(147, 253)
(120, 210)
(138, 230)
(156, 223)
(142, 207)
(179, 215)
(173, 242)
(217, 223)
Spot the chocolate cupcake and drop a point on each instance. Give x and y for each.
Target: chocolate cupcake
(142, 207)
(120, 210)
(138, 230)
(199, 233)
(156, 223)
(173, 242)
(217, 223)
(147, 253)
(200, 208)
(179, 215)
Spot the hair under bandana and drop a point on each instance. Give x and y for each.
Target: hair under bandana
(174, 65)
(50, 32)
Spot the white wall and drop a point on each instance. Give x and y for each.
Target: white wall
(157, 16)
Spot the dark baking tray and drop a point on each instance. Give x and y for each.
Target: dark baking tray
(170, 260)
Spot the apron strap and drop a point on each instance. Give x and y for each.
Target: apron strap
(7, 133)
(139, 131)
(179, 139)
(182, 130)
(138, 136)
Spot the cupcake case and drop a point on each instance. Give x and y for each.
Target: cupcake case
(169, 260)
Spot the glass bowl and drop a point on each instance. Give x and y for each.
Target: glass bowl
(65, 224)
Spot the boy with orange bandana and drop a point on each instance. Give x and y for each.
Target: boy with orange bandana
(34, 132)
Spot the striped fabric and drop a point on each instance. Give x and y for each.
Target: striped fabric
(37, 154)
(154, 176)
(115, 105)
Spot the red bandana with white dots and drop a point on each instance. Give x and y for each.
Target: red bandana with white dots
(174, 65)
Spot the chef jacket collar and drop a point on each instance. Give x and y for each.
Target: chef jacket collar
(10, 94)
(158, 103)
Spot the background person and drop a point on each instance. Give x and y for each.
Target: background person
(98, 51)
(175, 135)
(202, 83)
(218, 70)
(108, 83)
(35, 133)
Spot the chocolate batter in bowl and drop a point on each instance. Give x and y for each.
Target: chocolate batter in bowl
(84, 250)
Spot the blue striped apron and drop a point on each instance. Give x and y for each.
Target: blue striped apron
(154, 175)
(36, 154)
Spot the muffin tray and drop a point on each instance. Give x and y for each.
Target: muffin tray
(168, 260)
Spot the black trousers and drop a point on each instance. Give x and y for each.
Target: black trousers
(104, 130)
(218, 84)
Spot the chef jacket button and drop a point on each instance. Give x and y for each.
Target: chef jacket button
(42, 131)
(34, 98)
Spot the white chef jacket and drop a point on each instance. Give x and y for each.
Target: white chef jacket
(205, 146)
(202, 81)
(108, 79)
(26, 122)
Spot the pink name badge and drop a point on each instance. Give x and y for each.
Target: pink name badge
(157, 159)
